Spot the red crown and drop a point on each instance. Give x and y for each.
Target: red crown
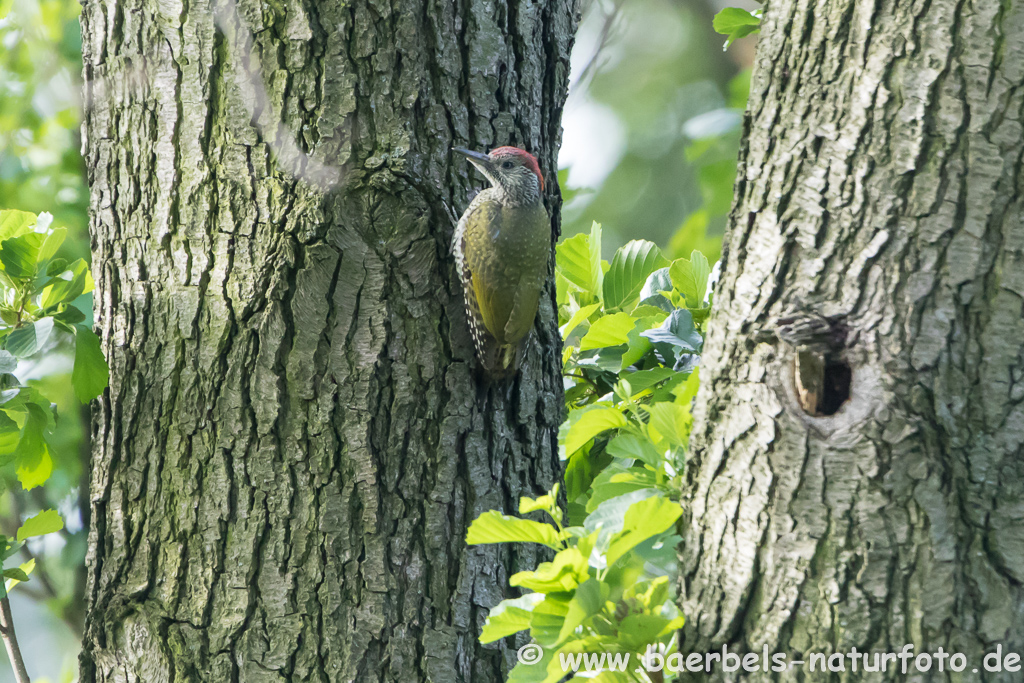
(529, 160)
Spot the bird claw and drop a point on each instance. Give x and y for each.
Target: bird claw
(450, 212)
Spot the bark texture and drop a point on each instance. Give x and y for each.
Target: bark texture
(294, 441)
(880, 186)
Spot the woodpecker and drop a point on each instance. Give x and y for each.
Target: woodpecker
(502, 247)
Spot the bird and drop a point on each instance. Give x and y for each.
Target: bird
(502, 249)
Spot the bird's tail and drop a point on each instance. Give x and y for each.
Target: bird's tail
(499, 361)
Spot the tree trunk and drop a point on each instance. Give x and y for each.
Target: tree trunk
(878, 227)
(294, 440)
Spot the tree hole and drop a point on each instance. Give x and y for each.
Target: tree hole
(822, 382)
(838, 377)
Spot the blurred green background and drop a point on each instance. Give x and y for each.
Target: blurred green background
(649, 150)
(41, 170)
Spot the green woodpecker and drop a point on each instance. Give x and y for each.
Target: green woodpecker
(502, 246)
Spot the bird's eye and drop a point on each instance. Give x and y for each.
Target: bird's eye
(507, 165)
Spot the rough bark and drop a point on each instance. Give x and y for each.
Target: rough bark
(880, 186)
(294, 440)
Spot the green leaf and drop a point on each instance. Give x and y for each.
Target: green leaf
(638, 345)
(578, 317)
(508, 617)
(644, 519)
(17, 574)
(33, 472)
(52, 243)
(10, 437)
(640, 630)
(677, 331)
(631, 446)
(546, 503)
(69, 316)
(736, 23)
(686, 391)
(578, 260)
(590, 424)
(587, 601)
(611, 330)
(644, 379)
(67, 285)
(651, 295)
(45, 522)
(690, 277)
(25, 568)
(494, 527)
(564, 573)
(90, 375)
(548, 617)
(544, 670)
(630, 268)
(609, 515)
(8, 363)
(56, 267)
(578, 475)
(618, 480)
(14, 223)
(27, 339)
(672, 422)
(20, 255)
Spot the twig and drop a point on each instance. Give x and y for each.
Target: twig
(603, 38)
(11, 641)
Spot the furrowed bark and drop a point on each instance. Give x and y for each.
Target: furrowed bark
(294, 440)
(881, 189)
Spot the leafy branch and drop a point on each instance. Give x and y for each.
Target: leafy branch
(633, 335)
(38, 316)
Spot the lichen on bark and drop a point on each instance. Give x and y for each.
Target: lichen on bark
(881, 187)
(294, 440)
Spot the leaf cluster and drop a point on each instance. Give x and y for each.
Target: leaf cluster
(38, 316)
(633, 334)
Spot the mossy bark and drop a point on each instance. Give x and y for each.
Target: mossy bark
(881, 191)
(294, 440)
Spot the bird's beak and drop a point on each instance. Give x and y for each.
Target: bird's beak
(478, 159)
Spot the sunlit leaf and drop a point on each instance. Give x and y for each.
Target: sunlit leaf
(578, 317)
(629, 270)
(736, 23)
(67, 285)
(546, 503)
(52, 243)
(587, 600)
(33, 472)
(578, 260)
(610, 330)
(509, 616)
(494, 527)
(90, 374)
(26, 340)
(43, 523)
(644, 519)
(14, 223)
(25, 568)
(590, 424)
(635, 447)
(690, 277)
(671, 421)
(20, 255)
(564, 573)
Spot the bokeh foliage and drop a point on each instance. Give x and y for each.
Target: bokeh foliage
(41, 170)
(678, 102)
